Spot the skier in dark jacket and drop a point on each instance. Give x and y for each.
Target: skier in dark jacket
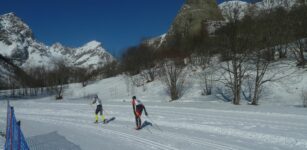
(138, 108)
(99, 109)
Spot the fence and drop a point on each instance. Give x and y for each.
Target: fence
(14, 136)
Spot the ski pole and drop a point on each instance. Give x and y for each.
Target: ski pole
(106, 112)
(154, 123)
(91, 105)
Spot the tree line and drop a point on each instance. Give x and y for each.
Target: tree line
(248, 48)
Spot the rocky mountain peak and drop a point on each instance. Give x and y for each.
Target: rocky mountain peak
(189, 21)
(14, 25)
(92, 45)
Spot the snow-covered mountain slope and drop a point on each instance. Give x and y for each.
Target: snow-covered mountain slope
(91, 55)
(238, 9)
(18, 43)
(233, 9)
(156, 42)
(15, 37)
(269, 4)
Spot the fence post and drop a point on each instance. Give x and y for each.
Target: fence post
(11, 127)
(19, 135)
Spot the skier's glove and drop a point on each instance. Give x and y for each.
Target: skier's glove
(146, 114)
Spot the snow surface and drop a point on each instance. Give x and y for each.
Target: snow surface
(156, 41)
(2, 141)
(194, 122)
(6, 50)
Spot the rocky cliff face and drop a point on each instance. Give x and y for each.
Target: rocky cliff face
(190, 19)
(15, 38)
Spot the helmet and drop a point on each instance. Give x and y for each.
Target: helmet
(133, 97)
(96, 96)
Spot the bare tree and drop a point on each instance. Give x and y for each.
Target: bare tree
(265, 31)
(234, 45)
(59, 77)
(207, 80)
(298, 49)
(130, 89)
(149, 74)
(299, 33)
(263, 71)
(174, 77)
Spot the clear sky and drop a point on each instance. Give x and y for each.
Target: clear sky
(118, 24)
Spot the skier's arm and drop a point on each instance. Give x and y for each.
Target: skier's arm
(146, 114)
(133, 107)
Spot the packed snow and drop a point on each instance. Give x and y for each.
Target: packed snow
(193, 122)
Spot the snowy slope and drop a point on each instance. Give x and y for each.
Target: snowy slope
(194, 122)
(156, 42)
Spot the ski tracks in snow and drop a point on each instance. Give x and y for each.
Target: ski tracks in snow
(104, 131)
(115, 129)
(203, 122)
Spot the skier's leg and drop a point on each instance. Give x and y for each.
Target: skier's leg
(140, 122)
(136, 121)
(96, 115)
(96, 118)
(102, 116)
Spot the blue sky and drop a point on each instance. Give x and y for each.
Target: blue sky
(118, 24)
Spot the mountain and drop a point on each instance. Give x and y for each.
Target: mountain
(15, 38)
(17, 43)
(195, 13)
(189, 22)
(191, 18)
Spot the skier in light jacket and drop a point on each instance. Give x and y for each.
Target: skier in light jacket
(99, 109)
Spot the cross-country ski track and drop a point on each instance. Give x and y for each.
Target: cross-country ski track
(172, 127)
